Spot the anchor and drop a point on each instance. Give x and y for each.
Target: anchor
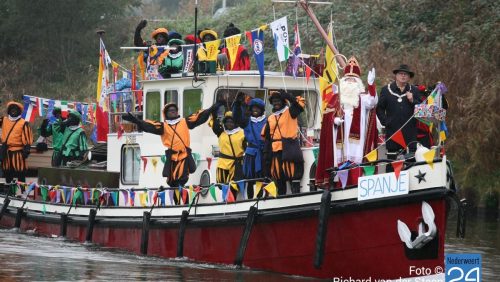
(423, 237)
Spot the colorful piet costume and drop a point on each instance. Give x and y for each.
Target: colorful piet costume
(286, 164)
(74, 145)
(17, 138)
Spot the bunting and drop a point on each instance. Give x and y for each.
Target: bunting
(232, 45)
(369, 170)
(429, 157)
(399, 138)
(258, 187)
(372, 156)
(271, 189)
(397, 165)
(212, 192)
(343, 174)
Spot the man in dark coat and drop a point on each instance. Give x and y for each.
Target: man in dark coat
(396, 106)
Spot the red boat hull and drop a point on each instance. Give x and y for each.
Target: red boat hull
(359, 244)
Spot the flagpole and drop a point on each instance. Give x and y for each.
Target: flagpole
(195, 55)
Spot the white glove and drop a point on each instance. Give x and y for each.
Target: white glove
(371, 76)
(338, 121)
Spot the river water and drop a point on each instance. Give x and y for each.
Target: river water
(24, 257)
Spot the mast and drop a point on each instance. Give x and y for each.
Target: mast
(305, 5)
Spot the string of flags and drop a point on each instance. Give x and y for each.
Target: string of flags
(131, 197)
(35, 106)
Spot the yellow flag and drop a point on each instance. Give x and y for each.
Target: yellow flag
(234, 186)
(258, 187)
(191, 192)
(329, 73)
(442, 136)
(154, 162)
(212, 50)
(142, 198)
(63, 196)
(372, 156)
(429, 157)
(177, 194)
(271, 189)
(263, 27)
(232, 45)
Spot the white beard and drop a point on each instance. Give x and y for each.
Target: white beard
(350, 91)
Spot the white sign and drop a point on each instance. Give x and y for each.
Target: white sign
(280, 34)
(383, 185)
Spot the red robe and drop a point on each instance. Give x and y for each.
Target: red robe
(242, 61)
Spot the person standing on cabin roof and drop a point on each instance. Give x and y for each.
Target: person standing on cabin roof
(253, 161)
(242, 60)
(174, 132)
(16, 143)
(56, 130)
(174, 61)
(74, 141)
(160, 35)
(284, 160)
(205, 52)
(395, 107)
(232, 145)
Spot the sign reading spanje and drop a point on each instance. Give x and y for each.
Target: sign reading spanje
(383, 185)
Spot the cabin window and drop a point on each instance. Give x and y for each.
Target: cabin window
(308, 116)
(153, 105)
(230, 94)
(131, 164)
(191, 101)
(170, 96)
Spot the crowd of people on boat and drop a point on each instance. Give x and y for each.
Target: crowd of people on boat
(171, 60)
(69, 140)
(252, 145)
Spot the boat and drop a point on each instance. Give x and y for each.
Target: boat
(388, 226)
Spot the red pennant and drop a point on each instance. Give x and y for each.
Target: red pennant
(52, 194)
(249, 36)
(197, 189)
(155, 198)
(185, 196)
(209, 161)
(398, 165)
(308, 74)
(399, 138)
(145, 161)
(230, 196)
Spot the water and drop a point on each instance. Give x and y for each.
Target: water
(24, 257)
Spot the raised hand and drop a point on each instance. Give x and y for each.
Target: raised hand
(142, 24)
(371, 76)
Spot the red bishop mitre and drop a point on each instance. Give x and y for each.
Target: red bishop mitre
(352, 68)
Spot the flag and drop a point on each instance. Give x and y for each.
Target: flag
(30, 110)
(372, 156)
(329, 73)
(85, 113)
(212, 192)
(63, 105)
(242, 186)
(258, 187)
(230, 197)
(187, 53)
(154, 162)
(369, 170)
(399, 138)
(145, 163)
(225, 189)
(280, 35)
(429, 157)
(39, 105)
(271, 189)
(343, 174)
(50, 108)
(257, 39)
(232, 45)
(308, 73)
(212, 49)
(296, 51)
(443, 131)
(102, 76)
(397, 165)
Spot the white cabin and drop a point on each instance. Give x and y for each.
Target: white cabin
(126, 154)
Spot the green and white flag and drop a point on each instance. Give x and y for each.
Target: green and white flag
(280, 35)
